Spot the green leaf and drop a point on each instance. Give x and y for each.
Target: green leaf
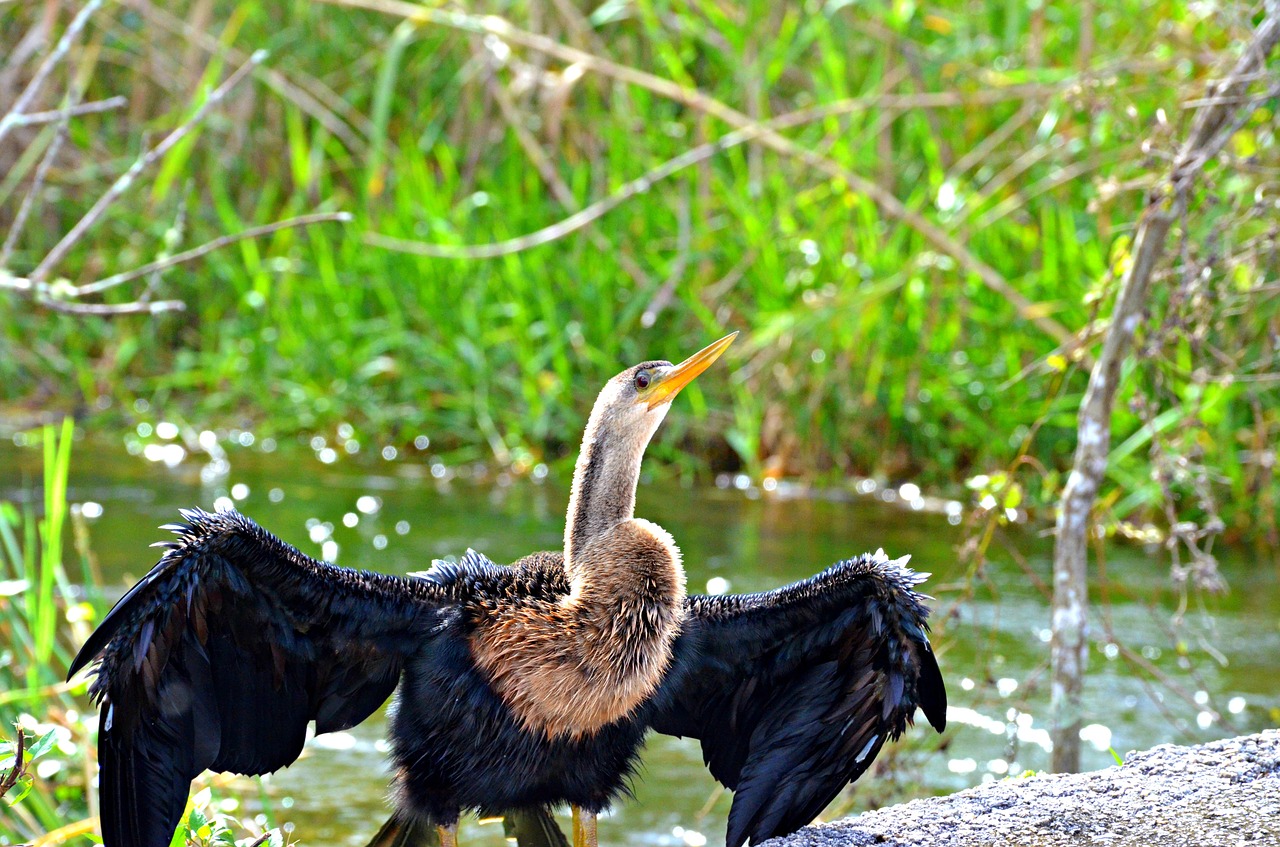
(24, 786)
(42, 745)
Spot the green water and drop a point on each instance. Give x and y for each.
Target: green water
(992, 644)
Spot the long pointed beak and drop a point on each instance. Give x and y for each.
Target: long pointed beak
(670, 383)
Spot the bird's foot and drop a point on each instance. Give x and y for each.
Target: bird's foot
(584, 829)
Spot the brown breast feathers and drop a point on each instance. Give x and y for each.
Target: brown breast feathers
(571, 666)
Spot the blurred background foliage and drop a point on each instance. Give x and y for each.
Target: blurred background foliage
(1022, 135)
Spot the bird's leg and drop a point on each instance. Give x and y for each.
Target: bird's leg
(448, 835)
(584, 828)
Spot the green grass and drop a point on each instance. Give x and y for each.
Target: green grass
(865, 349)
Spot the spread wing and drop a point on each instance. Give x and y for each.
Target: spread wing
(224, 652)
(793, 692)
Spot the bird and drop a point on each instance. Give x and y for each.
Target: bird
(520, 686)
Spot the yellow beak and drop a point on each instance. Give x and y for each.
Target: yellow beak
(668, 385)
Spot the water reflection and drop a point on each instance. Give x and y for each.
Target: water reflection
(398, 515)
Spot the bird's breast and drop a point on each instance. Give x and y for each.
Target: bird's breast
(570, 666)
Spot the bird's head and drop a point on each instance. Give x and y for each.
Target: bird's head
(637, 399)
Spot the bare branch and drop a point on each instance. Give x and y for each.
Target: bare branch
(309, 94)
(574, 222)
(93, 108)
(1167, 203)
(126, 180)
(33, 192)
(10, 120)
(206, 248)
(667, 291)
(9, 780)
(111, 309)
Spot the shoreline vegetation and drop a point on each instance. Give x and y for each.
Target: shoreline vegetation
(462, 223)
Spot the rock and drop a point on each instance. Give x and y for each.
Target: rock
(1221, 793)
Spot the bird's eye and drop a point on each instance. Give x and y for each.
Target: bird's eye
(642, 380)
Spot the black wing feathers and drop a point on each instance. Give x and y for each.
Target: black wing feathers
(793, 692)
(234, 630)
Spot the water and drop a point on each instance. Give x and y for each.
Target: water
(990, 629)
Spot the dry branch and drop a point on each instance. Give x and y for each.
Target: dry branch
(9, 780)
(126, 180)
(1167, 202)
(15, 113)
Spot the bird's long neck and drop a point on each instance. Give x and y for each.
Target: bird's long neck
(604, 482)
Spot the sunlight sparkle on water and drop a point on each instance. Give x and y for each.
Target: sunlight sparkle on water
(1097, 735)
(689, 837)
(91, 510)
(335, 741)
(166, 430)
(717, 585)
(1236, 705)
(239, 491)
(171, 455)
(223, 504)
(367, 504)
(350, 519)
(275, 495)
(389, 453)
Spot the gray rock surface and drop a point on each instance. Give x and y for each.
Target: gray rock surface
(1221, 794)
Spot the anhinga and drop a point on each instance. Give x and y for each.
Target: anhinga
(521, 686)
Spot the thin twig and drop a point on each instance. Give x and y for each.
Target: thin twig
(206, 248)
(126, 180)
(33, 192)
(574, 222)
(111, 309)
(92, 108)
(15, 773)
(552, 178)
(310, 95)
(667, 290)
(10, 120)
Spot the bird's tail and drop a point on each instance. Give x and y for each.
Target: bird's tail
(398, 832)
(531, 827)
